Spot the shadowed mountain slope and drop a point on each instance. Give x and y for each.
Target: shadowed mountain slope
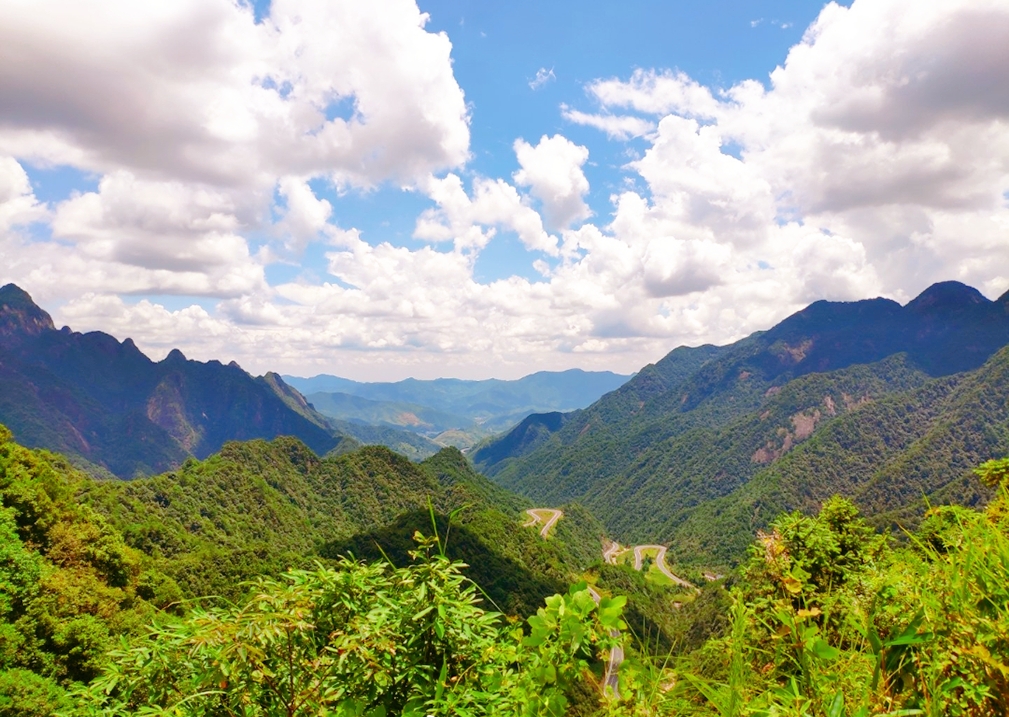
(106, 404)
(259, 507)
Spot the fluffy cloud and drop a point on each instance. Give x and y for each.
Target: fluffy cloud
(873, 162)
(204, 126)
(305, 215)
(195, 90)
(888, 124)
(495, 203)
(553, 171)
(18, 204)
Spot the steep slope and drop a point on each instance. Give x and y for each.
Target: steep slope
(889, 456)
(103, 401)
(698, 458)
(673, 476)
(606, 434)
(531, 433)
(949, 328)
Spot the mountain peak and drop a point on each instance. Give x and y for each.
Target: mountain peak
(20, 315)
(946, 295)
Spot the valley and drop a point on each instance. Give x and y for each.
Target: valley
(707, 480)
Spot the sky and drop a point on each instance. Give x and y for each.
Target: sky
(433, 188)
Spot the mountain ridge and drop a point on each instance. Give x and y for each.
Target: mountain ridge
(110, 407)
(706, 430)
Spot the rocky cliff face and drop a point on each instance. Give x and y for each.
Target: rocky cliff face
(19, 316)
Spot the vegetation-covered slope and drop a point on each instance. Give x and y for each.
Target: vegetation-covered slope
(84, 560)
(260, 507)
(69, 585)
(826, 618)
(890, 456)
(643, 458)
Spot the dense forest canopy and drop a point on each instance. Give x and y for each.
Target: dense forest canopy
(827, 616)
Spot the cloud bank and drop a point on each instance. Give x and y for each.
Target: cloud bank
(874, 161)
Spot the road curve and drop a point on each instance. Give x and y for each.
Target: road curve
(535, 516)
(611, 679)
(610, 552)
(660, 561)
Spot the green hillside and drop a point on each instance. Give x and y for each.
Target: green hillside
(708, 444)
(892, 457)
(260, 507)
(70, 587)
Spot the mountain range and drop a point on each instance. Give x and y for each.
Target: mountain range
(702, 448)
(453, 411)
(697, 451)
(111, 408)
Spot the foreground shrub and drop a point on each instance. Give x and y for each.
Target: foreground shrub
(361, 640)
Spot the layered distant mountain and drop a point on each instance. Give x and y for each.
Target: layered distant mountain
(107, 405)
(708, 444)
(454, 411)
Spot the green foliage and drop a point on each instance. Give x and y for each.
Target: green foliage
(994, 473)
(832, 620)
(68, 582)
(360, 640)
(26, 694)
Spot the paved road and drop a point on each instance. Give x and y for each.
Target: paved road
(611, 679)
(610, 553)
(535, 516)
(660, 561)
(549, 516)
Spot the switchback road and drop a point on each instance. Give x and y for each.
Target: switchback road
(660, 561)
(547, 516)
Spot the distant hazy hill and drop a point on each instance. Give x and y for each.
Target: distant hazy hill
(105, 403)
(410, 416)
(466, 409)
(706, 445)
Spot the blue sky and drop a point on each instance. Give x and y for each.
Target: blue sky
(328, 186)
(497, 51)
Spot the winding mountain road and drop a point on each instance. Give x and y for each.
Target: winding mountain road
(547, 516)
(610, 552)
(660, 562)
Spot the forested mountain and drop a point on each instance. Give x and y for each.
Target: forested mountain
(259, 507)
(106, 404)
(84, 560)
(455, 411)
(736, 423)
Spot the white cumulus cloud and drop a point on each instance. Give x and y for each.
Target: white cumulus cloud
(874, 161)
(552, 169)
